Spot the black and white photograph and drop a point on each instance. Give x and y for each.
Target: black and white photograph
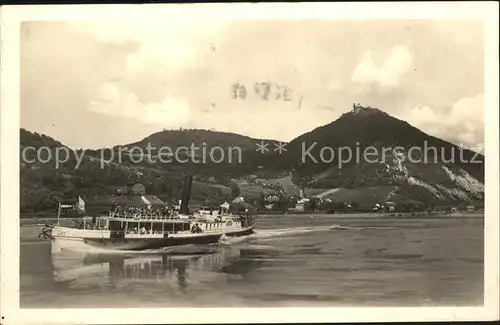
(249, 156)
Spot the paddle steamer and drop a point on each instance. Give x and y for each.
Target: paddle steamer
(124, 231)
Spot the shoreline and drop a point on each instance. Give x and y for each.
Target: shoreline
(35, 221)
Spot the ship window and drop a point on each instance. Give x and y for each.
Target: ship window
(169, 227)
(178, 227)
(229, 223)
(157, 227)
(114, 225)
(132, 225)
(101, 223)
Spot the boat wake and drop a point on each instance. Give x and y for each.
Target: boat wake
(340, 227)
(269, 233)
(230, 240)
(190, 249)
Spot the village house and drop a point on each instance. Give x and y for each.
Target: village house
(391, 206)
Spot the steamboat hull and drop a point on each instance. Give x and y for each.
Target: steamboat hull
(75, 243)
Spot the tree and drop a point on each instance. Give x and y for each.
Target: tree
(235, 191)
(262, 200)
(313, 204)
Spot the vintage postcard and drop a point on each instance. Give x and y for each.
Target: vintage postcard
(246, 163)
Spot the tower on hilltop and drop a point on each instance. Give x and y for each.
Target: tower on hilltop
(356, 108)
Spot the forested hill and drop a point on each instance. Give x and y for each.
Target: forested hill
(434, 181)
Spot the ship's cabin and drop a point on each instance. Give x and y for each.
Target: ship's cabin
(137, 226)
(149, 226)
(205, 210)
(209, 212)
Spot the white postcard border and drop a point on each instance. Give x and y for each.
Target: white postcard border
(9, 164)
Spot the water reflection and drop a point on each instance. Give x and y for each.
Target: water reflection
(77, 271)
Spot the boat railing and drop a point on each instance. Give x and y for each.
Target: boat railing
(130, 232)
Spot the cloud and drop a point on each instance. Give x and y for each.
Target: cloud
(462, 124)
(170, 112)
(422, 116)
(467, 117)
(468, 109)
(396, 64)
(174, 43)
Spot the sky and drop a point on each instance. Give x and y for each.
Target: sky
(93, 84)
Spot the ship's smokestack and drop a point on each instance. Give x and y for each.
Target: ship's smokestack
(186, 194)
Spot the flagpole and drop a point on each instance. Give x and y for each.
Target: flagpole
(58, 212)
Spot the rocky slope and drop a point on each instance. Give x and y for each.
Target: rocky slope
(386, 151)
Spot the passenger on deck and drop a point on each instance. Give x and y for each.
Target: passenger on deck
(196, 229)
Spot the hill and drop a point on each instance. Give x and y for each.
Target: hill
(317, 160)
(194, 151)
(399, 155)
(42, 184)
(184, 137)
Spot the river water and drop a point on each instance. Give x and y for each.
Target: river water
(292, 260)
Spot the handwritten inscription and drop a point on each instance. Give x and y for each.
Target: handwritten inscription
(264, 90)
(239, 91)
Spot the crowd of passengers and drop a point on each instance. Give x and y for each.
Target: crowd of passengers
(131, 212)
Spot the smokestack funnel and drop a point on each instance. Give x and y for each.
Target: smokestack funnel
(186, 194)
